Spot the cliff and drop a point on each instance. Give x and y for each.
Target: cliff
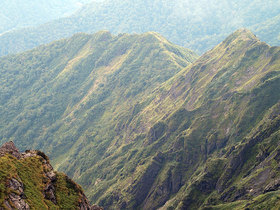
(28, 181)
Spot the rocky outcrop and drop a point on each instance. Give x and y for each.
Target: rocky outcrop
(84, 204)
(15, 197)
(142, 186)
(238, 159)
(10, 148)
(49, 190)
(273, 186)
(156, 132)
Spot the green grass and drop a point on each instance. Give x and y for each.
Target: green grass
(112, 110)
(30, 171)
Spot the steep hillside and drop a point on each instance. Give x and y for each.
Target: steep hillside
(28, 181)
(189, 23)
(138, 126)
(207, 137)
(81, 86)
(17, 14)
(71, 97)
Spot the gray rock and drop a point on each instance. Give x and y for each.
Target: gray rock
(10, 148)
(51, 175)
(16, 185)
(18, 202)
(49, 193)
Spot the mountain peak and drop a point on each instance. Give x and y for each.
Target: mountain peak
(152, 36)
(237, 42)
(103, 35)
(243, 35)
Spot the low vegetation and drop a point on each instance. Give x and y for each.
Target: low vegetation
(142, 123)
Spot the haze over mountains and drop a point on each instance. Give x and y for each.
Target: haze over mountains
(195, 24)
(138, 121)
(17, 14)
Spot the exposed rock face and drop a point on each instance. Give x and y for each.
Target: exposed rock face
(16, 199)
(84, 204)
(10, 148)
(156, 132)
(49, 191)
(273, 186)
(238, 159)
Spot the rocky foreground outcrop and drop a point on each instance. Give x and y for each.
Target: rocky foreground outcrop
(52, 184)
(10, 148)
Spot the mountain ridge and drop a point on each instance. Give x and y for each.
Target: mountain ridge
(67, 59)
(142, 123)
(249, 73)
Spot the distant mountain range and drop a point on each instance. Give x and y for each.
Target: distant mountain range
(196, 24)
(17, 14)
(142, 123)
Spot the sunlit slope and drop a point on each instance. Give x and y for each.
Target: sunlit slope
(75, 83)
(210, 130)
(138, 126)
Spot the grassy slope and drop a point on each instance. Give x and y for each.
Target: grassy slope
(136, 137)
(31, 172)
(73, 98)
(73, 79)
(196, 116)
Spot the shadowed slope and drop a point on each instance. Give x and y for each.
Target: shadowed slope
(179, 144)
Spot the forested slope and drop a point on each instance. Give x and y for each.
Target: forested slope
(196, 24)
